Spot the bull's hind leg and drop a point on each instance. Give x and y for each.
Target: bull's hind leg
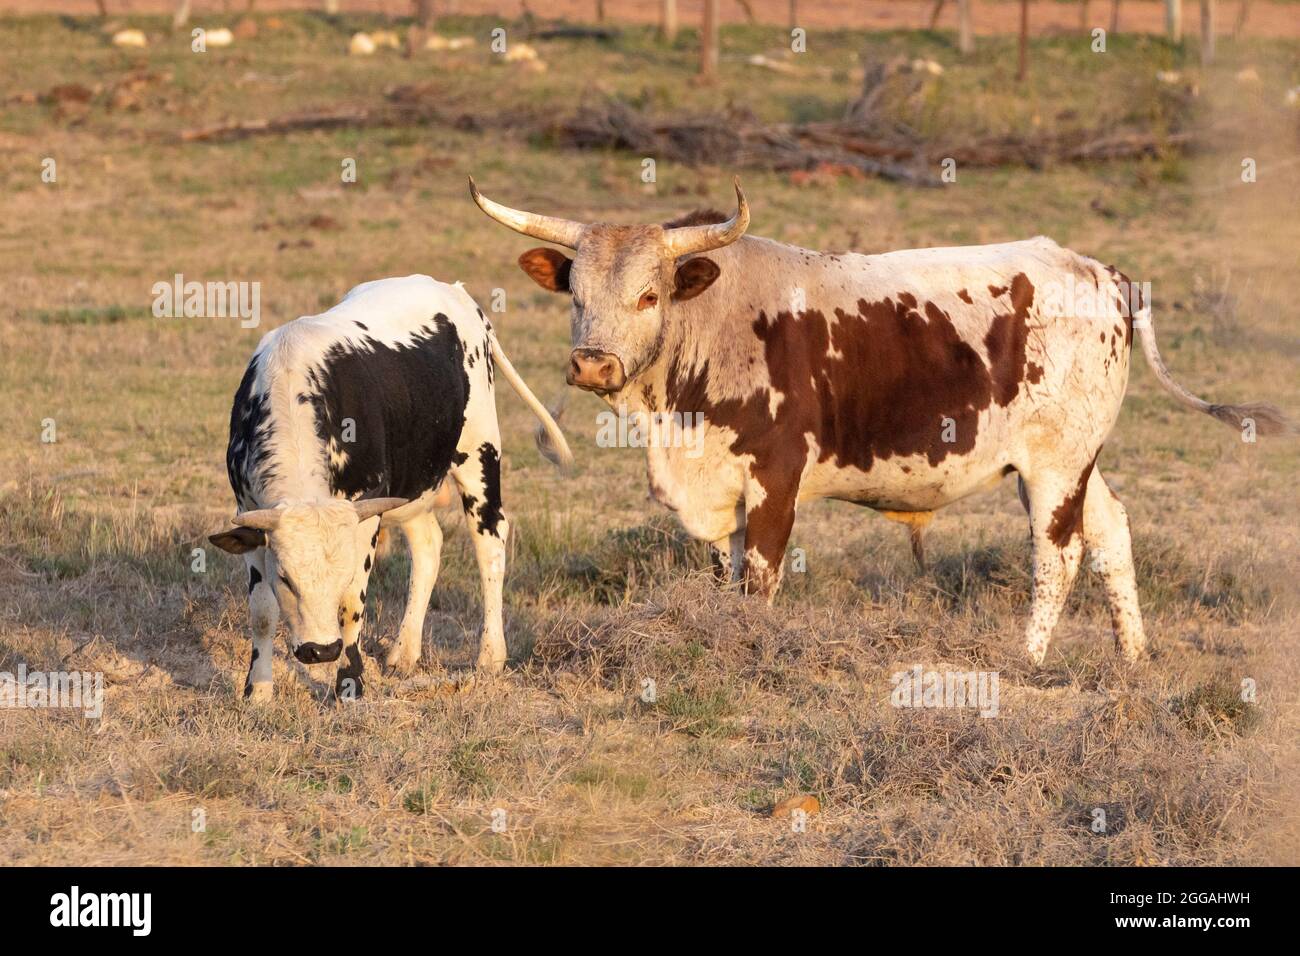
(424, 536)
(478, 477)
(1056, 502)
(264, 614)
(352, 613)
(1110, 553)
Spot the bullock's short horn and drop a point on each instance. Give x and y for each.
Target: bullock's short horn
(564, 232)
(377, 506)
(264, 519)
(687, 239)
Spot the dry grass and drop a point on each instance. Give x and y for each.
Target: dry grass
(753, 705)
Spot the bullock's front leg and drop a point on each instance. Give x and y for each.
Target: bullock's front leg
(769, 516)
(347, 680)
(264, 614)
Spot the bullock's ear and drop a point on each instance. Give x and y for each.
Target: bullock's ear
(549, 268)
(239, 540)
(693, 277)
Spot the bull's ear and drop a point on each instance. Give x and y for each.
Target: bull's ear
(549, 268)
(239, 540)
(693, 277)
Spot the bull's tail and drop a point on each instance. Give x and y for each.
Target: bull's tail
(1266, 419)
(550, 440)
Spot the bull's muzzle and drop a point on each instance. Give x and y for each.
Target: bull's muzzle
(596, 371)
(310, 653)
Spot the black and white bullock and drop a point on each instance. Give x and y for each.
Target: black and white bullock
(349, 415)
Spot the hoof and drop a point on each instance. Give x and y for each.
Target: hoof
(349, 686)
(399, 661)
(490, 666)
(318, 653)
(259, 693)
(347, 682)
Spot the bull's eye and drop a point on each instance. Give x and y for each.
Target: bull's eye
(648, 301)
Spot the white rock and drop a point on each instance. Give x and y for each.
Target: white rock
(130, 38)
(517, 52)
(361, 45)
(437, 41)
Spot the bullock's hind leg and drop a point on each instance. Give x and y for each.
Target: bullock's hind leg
(479, 479)
(425, 539)
(1055, 516)
(1110, 554)
(264, 614)
(347, 679)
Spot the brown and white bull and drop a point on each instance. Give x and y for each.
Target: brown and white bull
(904, 382)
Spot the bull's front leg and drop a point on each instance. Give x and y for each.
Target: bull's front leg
(770, 500)
(264, 615)
(348, 684)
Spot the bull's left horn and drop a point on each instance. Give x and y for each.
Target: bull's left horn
(687, 239)
(563, 232)
(263, 519)
(377, 506)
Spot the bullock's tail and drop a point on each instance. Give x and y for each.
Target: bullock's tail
(550, 440)
(1266, 419)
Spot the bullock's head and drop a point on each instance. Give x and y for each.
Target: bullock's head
(313, 552)
(622, 280)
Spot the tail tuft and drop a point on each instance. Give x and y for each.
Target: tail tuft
(1267, 419)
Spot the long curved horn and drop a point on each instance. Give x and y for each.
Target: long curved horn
(564, 232)
(264, 519)
(687, 239)
(370, 507)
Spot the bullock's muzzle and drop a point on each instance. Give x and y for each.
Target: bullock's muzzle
(310, 653)
(596, 371)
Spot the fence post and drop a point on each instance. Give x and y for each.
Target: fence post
(1207, 31)
(1174, 20)
(709, 40)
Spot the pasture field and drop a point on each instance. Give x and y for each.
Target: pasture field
(753, 705)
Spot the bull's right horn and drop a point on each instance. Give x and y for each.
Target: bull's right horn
(562, 232)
